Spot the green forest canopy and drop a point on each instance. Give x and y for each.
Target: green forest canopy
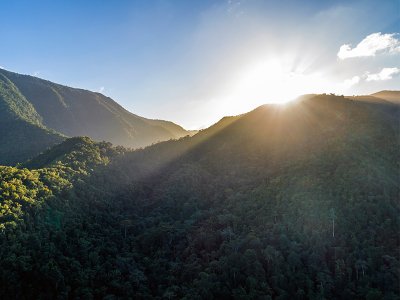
(297, 202)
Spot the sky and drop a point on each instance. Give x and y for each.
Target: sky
(193, 62)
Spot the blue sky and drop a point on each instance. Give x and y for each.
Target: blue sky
(193, 62)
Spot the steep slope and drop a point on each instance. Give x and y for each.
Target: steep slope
(77, 112)
(22, 134)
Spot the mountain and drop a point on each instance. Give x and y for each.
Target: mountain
(379, 97)
(75, 112)
(285, 202)
(274, 135)
(392, 96)
(22, 133)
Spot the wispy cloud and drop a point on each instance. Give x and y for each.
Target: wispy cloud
(36, 73)
(101, 89)
(384, 74)
(1, 67)
(371, 45)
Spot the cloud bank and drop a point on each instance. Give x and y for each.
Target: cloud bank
(371, 45)
(384, 74)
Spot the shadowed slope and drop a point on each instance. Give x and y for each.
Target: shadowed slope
(246, 207)
(272, 136)
(22, 134)
(77, 112)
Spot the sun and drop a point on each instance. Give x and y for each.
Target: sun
(262, 79)
(272, 80)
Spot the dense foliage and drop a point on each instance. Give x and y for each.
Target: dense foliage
(22, 134)
(297, 202)
(21, 140)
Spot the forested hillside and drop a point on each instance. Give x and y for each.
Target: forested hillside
(69, 111)
(22, 133)
(285, 202)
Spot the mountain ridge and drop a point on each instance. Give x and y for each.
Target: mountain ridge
(54, 111)
(79, 112)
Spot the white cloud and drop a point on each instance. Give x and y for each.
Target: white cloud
(384, 74)
(352, 81)
(371, 45)
(1, 67)
(101, 89)
(36, 73)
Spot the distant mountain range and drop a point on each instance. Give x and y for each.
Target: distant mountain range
(39, 113)
(36, 114)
